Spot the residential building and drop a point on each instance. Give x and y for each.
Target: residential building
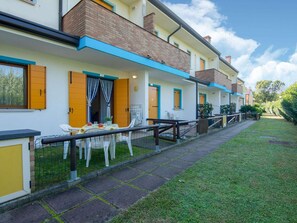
(90, 59)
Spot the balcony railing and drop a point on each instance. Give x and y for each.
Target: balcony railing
(237, 88)
(88, 18)
(215, 76)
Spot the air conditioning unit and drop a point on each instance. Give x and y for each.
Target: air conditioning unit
(32, 2)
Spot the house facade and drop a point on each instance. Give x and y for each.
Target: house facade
(90, 59)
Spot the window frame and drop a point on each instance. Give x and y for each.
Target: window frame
(180, 99)
(25, 93)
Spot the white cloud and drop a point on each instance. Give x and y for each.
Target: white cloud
(204, 17)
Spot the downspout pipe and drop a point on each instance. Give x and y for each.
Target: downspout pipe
(168, 38)
(60, 14)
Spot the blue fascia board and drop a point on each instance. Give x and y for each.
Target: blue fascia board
(93, 74)
(16, 60)
(88, 42)
(213, 84)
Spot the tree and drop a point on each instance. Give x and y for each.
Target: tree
(268, 90)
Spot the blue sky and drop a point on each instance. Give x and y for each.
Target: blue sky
(260, 35)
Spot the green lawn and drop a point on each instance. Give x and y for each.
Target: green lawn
(248, 179)
(51, 168)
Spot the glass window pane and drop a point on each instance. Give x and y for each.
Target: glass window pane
(12, 86)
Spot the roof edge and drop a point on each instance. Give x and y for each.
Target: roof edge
(35, 28)
(178, 20)
(228, 64)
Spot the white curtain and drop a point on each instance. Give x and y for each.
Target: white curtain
(93, 84)
(106, 87)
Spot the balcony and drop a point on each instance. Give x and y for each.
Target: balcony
(88, 18)
(237, 88)
(215, 76)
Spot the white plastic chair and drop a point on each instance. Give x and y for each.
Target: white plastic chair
(122, 138)
(67, 129)
(97, 142)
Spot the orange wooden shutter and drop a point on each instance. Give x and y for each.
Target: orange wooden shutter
(202, 64)
(104, 4)
(177, 104)
(36, 87)
(121, 102)
(77, 83)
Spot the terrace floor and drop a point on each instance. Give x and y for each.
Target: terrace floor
(103, 197)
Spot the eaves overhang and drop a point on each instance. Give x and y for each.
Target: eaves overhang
(35, 28)
(184, 25)
(228, 64)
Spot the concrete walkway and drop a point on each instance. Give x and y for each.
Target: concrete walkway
(101, 198)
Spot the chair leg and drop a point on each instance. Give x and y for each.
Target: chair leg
(66, 145)
(106, 145)
(80, 151)
(130, 147)
(112, 147)
(88, 153)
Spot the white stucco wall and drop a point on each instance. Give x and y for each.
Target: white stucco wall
(44, 12)
(47, 121)
(136, 11)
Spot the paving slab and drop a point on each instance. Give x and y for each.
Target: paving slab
(67, 199)
(167, 171)
(148, 182)
(101, 184)
(124, 196)
(182, 164)
(29, 213)
(145, 165)
(126, 174)
(92, 211)
(160, 158)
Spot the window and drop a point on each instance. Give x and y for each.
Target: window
(177, 98)
(22, 85)
(176, 44)
(202, 64)
(13, 86)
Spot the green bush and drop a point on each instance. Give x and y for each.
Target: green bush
(289, 103)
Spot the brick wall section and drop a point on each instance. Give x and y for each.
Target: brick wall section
(32, 163)
(90, 19)
(237, 88)
(148, 23)
(213, 75)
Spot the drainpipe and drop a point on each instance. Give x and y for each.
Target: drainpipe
(168, 38)
(197, 90)
(60, 14)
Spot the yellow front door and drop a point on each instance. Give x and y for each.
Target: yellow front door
(77, 83)
(153, 102)
(121, 102)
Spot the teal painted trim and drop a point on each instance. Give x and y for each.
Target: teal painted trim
(212, 84)
(92, 74)
(180, 97)
(205, 97)
(111, 4)
(159, 97)
(16, 60)
(88, 42)
(237, 94)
